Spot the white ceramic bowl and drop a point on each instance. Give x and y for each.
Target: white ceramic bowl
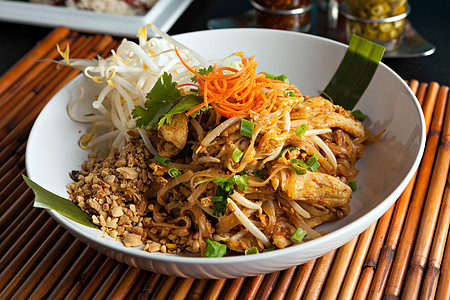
(310, 62)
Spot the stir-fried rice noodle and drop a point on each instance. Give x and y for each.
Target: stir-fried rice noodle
(179, 214)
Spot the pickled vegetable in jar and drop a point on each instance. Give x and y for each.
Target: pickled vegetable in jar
(283, 14)
(375, 19)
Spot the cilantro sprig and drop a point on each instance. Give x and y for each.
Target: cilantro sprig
(225, 188)
(161, 98)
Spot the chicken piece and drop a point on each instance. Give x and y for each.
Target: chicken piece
(173, 136)
(333, 119)
(272, 139)
(318, 188)
(313, 106)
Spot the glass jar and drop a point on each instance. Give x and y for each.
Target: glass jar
(283, 14)
(381, 21)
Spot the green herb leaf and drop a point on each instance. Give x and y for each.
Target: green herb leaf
(48, 200)
(300, 131)
(283, 77)
(299, 166)
(215, 249)
(160, 101)
(203, 71)
(250, 251)
(162, 160)
(237, 155)
(352, 185)
(188, 103)
(358, 115)
(298, 235)
(247, 128)
(225, 188)
(354, 72)
(261, 173)
(174, 172)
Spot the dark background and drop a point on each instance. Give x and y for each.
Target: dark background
(431, 19)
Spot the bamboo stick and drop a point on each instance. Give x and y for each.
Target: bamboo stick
(267, 286)
(139, 285)
(85, 277)
(8, 164)
(414, 85)
(52, 277)
(443, 290)
(283, 283)
(97, 279)
(182, 288)
(354, 270)
(121, 288)
(16, 201)
(252, 287)
(421, 92)
(301, 279)
(430, 97)
(387, 254)
(199, 289)
(6, 184)
(43, 267)
(18, 69)
(165, 287)
(376, 246)
(431, 207)
(6, 152)
(19, 221)
(362, 289)
(151, 285)
(234, 288)
(338, 270)
(404, 250)
(18, 96)
(431, 279)
(215, 289)
(22, 263)
(64, 285)
(318, 275)
(27, 115)
(110, 281)
(10, 248)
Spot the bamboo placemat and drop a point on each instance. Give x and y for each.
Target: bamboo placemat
(404, 254)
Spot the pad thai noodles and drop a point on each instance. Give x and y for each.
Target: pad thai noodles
(209, 156)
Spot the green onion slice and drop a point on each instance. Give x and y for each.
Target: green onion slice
(174, 172)
(252, 250)
(283, 77)
(313, 163)
(269, 249)
(299, 166)
(289, 94)
(298, 235)
(237, 155)
(354, 72)
(216, 199)
(352, 185)
(215, 249)
(162, 160)
(358, 115)
(284, 150)
(247, 128)
(300, 131)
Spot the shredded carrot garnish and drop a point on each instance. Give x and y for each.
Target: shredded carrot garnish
(233, 92)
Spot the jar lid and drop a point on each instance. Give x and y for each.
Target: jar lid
(295, 11)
